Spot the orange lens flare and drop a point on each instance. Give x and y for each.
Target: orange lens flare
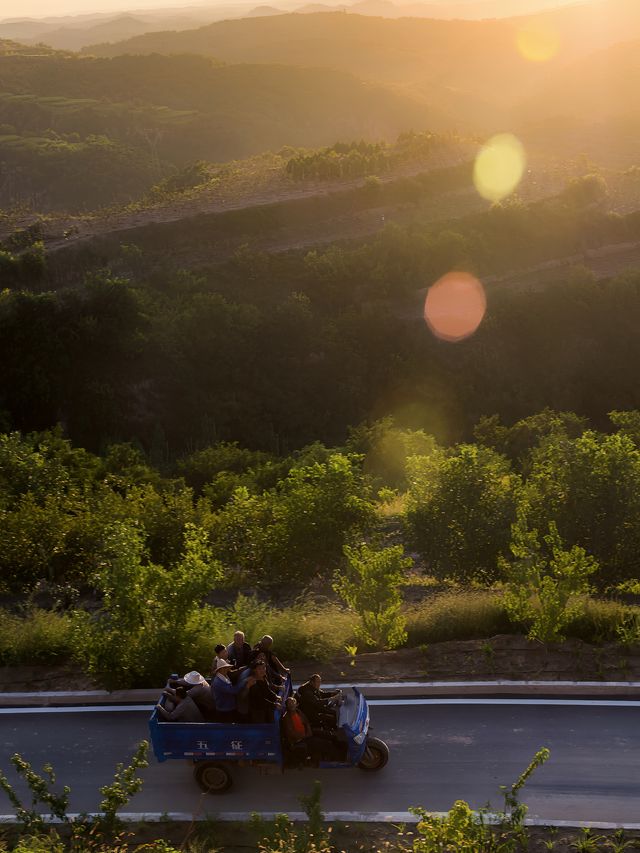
(455, 306)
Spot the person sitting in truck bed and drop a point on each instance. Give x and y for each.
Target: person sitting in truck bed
(298, 736)
(224, 693)
(239, 651)
(315, 703)
(221, 654)
(200, 691)
(262, 699)
(277, 672)
(184, 709)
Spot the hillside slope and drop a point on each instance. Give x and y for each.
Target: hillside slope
(98, 131)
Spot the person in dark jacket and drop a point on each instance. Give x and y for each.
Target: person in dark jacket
(316, 703)
(277, 671)
(239, 651)
(262, 699)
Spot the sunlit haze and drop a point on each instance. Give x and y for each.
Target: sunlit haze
(55, 8)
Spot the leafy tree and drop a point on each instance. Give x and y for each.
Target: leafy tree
(293, 532)
(590, 488)
(628, 424)
(460, 510)
(545, 582)
(386, 449)
(139, 633)
(370, 585)
(516, 442)
(586, 191)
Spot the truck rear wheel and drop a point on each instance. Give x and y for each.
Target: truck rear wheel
(375, 755)
(211, 777)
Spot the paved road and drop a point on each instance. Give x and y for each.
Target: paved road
(439, 753)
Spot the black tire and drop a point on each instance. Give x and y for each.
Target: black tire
(375, 755)
(211, 777)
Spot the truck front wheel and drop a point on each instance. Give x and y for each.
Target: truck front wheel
(375, 755)
(211, 777)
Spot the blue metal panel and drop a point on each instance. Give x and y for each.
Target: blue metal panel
(219, 741)
(357, 727)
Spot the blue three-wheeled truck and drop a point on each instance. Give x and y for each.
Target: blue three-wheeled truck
(216, 747)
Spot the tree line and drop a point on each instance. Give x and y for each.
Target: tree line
(276, 351)
(286, 520)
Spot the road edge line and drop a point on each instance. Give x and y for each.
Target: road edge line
(329, 817)
(371, 690)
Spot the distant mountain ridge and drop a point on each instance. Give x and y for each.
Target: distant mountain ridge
(74, 32)
(469, 70)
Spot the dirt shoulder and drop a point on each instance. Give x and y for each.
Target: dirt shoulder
(508, 657)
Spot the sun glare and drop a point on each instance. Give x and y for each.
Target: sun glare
(499, 167)
(455, 306)
(538, 42)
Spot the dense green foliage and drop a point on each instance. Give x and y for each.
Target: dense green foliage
(346, 160)
(64, 512)
(461, 508)
(277, 351)
(149, 547)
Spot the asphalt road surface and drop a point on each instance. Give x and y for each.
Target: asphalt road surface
(439, 753)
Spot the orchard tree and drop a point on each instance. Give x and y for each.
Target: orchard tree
(297, 530)
(590, 487)
(370, 585)
(517, 442)
(546, 583)
(139, 635)
(460, 510)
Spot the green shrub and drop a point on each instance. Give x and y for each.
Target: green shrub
(41, 636)
(600, 620)
(370, 585)
(546, 582)
(464, 615)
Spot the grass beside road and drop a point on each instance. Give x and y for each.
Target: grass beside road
(320, 631)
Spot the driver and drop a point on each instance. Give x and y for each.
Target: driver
(316, 703)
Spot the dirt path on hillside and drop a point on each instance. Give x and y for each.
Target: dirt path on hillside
(270, 187)
(604, 262)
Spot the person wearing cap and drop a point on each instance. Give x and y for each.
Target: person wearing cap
(224, 692)
(200, 691)
(221, 655)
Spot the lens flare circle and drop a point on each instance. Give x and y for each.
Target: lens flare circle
(538, 42)
(455, 306)
(499, 167)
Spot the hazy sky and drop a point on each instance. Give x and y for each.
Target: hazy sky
(51, 8)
